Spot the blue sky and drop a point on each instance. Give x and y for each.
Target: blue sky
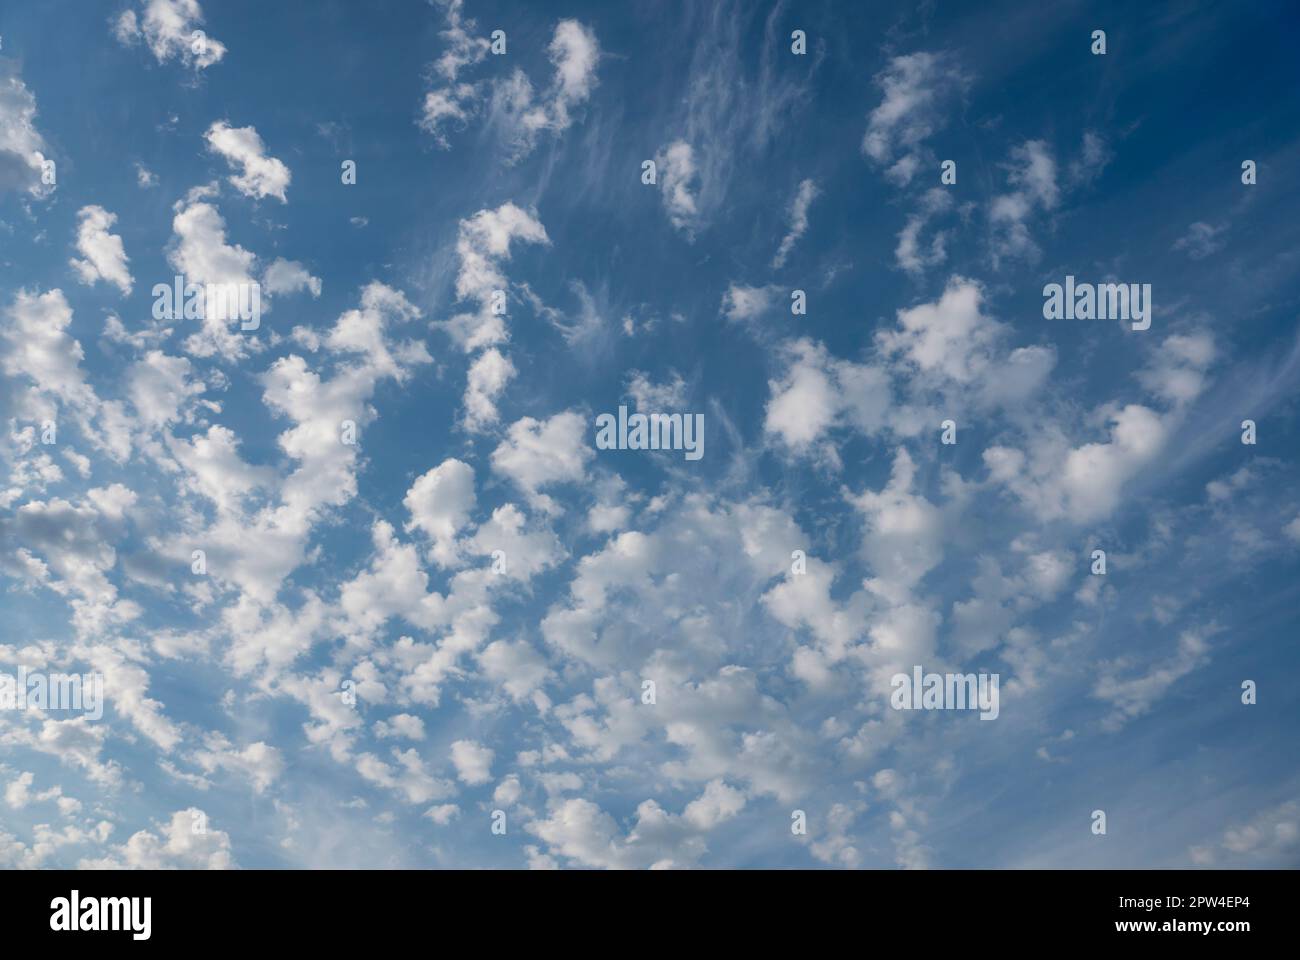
(397, 642)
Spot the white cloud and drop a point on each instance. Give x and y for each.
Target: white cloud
(160, 386)
(574, 52)
(529, 548)
(518, 668)
(105, 257)
(1201, 240)
(741, 303)
(444, 106)
(538, 453)
(516, 110)
(482, 245)
(1093, 157)
(176, 845)
(488, 376)
(917, 88)
(410, 779)
(803, 199)
(473, 762)
(817, 393)
(1273, 833)
(259, 763)
(650, 396)
(21, 145)
(522, 116)
(903, 531)
(289, 276)
(1031, 174)
(1083, 483)
(911, 253)
(404, 725)
(442, 814)
(19, 794)
(168, 28)
(950, 337)
(678, 181)
(262, 175)
(463, 49)
(1130, 698)
(455, 101)
(581, 832)
(200, 253)
(37, 346)
(440, 503)
(1177, 373)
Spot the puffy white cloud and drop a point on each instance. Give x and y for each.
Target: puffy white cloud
(442, 814)
(105, 257)
(289, 276)
(817, 393)
(953, 346)
(404, 725)
(473, 762)
(160, 387)
(176, 846)
(1177, 373)
(257, 551)
(444, 106)
(646, 592)
(19, 794)
(539, 453)
(214, 468)
(22, 147)
(522, 115)
(650, 396)
(517, 111)
(488, 376)
(440, 502)
(741, 303)
(917, 87)
(37, 346)
(261, 175)
(260, 763)
(49, 384)
(482, 245)
(410, 779)
(574, 52)
(949, 337)
(1083, 483)
(199, 252)
(367, 332)
(528, 548)
(463, 49)
(168, 28)
(835, 845)
(587, 836)
(518, 667)
(903, 531)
